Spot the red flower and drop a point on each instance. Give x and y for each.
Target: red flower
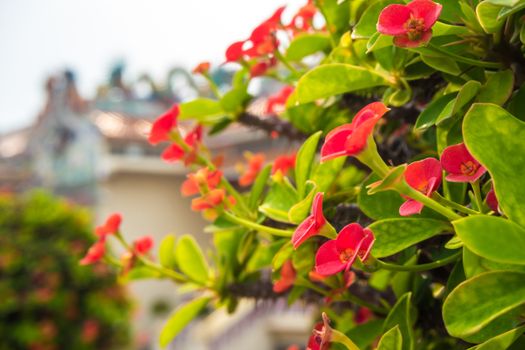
(312, 225)
(201, 68)
(284, 163)
(351, 139)
(492, 201)
(287, 278)
(321, 335)
(143, 245)
(235, 51)
(424, 176)
(339, 254)
(276, 103)
(411, 24)
(255, 164)
(460, 164)
(363, 315)
(172, 153)
(202, 178)
(259, 69)
(209, 200)
(163, 126)
(111, 226)
(302, 20)
(95, 253)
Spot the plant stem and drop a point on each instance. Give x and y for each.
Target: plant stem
(477, 195)
(284, 61)
(177, 277)
(422, 267)
(214, 88)
(341, 338)
(463, 59)
(440, 199)
(257, 227)
(429, 202)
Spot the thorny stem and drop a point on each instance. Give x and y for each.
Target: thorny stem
(257, 227)
(418, 268)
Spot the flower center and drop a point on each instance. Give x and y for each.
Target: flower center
(346, 255)
(415, 27)
(469, 168)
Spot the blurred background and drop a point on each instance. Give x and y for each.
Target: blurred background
(80, 83)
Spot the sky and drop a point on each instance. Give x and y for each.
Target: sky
(39, 38)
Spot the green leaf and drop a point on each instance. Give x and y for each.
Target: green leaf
(306, 44)
(442, 29)
(334, 79)
(327, 172)
(180, 318)
(381, 205)
(258, 187)
(491, 134)
(234, 100)
(442, 63)
(366, 26)
(502, 341)
(190, 259)
(493, 238)
(466, 94)
(167, 252)
(400, 315)
(391, 340)
(487, 14)
(282, 255)
(498, 88)
(304, 162)
(280, 198)
(507, 3)
(507, 11)
(201, 109)
(139, 273)
(379, 41)
(363, 335)
(479, 300)
(264, 255)
(301, 209)
(430, 114)
(395, 235)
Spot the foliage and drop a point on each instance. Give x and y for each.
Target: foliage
(411, 117)
(49, 301)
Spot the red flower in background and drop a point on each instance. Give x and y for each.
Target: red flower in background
(255, 164)
(321, 335)
(202, 178)
(492, 201)
(425, 177)
(202, 68)
(259, 68)
(209, 200)
(411, 24)
(339, 254)
(351, 139)
(95, 253)
(276, 103)
(235, 51)
(163, 125)
(143, 245)
(303, 20)
(175, 152)
(363, 315)
(284, 163)
(460, 164)
(287, 278)
(111, 226)
(312, 225)
(172, 153)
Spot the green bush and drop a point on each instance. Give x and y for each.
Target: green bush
(47, 300)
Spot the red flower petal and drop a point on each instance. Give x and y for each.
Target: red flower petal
(492, 201)
(163, 125)
(113, 223)
(235, 52)
(143, 245)
(392, 19)
(312, 224)
(172, 153)
(283, 163)
(334, 144)
(258, 69)
(363, 124)
(405, 41)
(461, 165)
(350, 237)
(201, 68)
(287, 277)
(327, 261)
(366, 244)
(419, 174)
(428, 10)
(410, 207)
(95, 253)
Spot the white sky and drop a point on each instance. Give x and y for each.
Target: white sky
(40, 37)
